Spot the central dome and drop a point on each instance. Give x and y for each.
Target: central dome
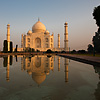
(38, 27)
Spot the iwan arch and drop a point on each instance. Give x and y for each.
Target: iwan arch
(40, 39)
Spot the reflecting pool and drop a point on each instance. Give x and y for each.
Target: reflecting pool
(46, 77)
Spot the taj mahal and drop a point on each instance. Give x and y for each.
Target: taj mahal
(40, 38)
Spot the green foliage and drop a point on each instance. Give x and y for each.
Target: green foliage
(90, 48)
(63, 51)
(81, 51)
(96, 38)
(73, 51)
(37, 50)
(5, 46)
(56, 51)
(96, 14)
(49, 51)
(96, 42)
(27, 49)
(33, 50)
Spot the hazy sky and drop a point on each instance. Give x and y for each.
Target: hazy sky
(23, 14)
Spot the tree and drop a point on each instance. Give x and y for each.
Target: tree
(16, 48)
(81, 51)
(49, 51)
(96, 38)
(11, 46)
(5, 46)
(96, 42)
(33, 50)
(96, 14)
(90, 48)
(73, 51)
(29, 50)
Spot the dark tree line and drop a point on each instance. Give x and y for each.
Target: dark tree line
(96, 38)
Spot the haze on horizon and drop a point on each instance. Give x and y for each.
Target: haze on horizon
(23, 14)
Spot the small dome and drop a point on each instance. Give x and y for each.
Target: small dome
(66, 23)
(47, 32)
(38, 27)
(29, 31)
(8, 24)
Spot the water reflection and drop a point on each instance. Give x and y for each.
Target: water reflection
(97, 91)
(59, 64)
(37, 66)
(8, 69)
(7, 61)
(66, 69)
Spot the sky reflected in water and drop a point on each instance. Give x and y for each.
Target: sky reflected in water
(42, 77)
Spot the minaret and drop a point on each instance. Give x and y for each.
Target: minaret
(58, 40)
(66, 37)
(7, 70)
(8, 36)
(66, 70)
(59, 64)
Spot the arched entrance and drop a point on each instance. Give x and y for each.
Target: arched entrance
(38, 43)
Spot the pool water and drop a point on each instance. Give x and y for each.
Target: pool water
(46, 77)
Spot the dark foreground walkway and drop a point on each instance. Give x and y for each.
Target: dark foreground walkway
(85, 59)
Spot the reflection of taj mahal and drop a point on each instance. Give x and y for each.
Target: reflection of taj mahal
(40, 39)
(38, 66)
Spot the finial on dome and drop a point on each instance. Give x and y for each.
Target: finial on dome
(8, 24)
(38, 19)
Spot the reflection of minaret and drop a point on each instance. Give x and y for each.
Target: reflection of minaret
(38, 66)
(58, 40)
(58, 63)
(66, 70)
(8, 64)
(22, 63)
(66, 37)
(8, 36)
